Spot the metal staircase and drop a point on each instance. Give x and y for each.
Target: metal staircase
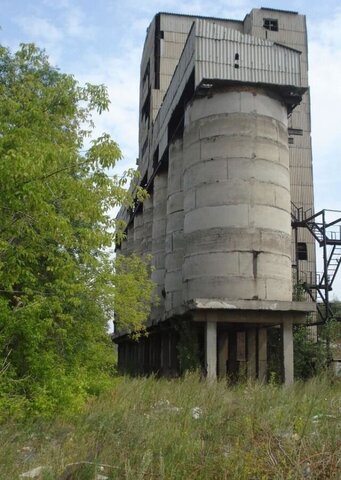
(328, 236)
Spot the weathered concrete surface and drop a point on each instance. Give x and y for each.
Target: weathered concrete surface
(262, 354)
(211, 350)
(237, 187)
(174, 250)
(222, 245)
(147, 225)
(158, 241)
(288, 353)
(252, 353)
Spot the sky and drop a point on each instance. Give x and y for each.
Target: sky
(101, 41)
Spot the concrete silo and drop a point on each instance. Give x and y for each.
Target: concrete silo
(215, 102)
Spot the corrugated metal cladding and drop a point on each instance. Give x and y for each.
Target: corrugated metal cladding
(208, 29)
(300, 176)
(227, 54)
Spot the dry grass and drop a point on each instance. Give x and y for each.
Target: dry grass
(147, 429)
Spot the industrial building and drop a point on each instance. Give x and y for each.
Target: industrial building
(225, 154)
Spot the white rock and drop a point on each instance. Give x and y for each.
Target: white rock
(197, 413)
(34, 473)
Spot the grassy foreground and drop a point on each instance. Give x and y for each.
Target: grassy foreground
(186, 429)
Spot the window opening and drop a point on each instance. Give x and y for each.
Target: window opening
(302, 252)
(270, 24)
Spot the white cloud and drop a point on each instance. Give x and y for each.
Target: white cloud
(39, 28)
(77, 24)
(325, 79)
(121, 76)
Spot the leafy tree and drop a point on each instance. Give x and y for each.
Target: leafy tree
(57, 279)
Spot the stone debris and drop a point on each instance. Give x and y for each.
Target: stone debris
(306, 470)
(197, 413)
(84, 469)
(321, 417)
(165, 406)
(289, 435)
(37, 473)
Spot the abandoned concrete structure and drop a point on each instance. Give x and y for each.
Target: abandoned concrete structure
(224, 148)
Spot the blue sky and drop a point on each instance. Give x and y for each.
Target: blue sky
(101, 42)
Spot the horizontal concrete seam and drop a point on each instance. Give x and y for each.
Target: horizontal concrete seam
(216, 158)
(265, 252)
(175, 211)
(253, 136)
(261, 230)
(194, 123)
(234, 277)
(259, 182)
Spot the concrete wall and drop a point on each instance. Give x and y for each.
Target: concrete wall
(218, 175)
(158, 240)
(174, 233)
(237, 197)
(292, 32)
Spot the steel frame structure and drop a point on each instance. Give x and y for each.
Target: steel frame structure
(328, 236)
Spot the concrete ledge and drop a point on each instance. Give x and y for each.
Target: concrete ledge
(259, 305)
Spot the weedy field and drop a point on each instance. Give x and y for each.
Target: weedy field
(185, 429)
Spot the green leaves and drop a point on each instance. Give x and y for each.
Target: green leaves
(58, 286)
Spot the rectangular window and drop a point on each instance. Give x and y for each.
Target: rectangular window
(302, 252)
(270, 24)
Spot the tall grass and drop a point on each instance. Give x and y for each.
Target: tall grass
(186, 429)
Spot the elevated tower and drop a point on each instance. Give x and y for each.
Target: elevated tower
(224, 147)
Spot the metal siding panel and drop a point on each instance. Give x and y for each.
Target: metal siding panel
(260, 60)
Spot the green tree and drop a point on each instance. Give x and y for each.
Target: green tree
(57, 278)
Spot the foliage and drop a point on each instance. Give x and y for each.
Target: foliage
(188, 346)
(134, 293)
(188, 428)
(57, 281)
(309, 354)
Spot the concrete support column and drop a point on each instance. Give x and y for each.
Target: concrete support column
(252, 354)
(211, 350)
(288, 352)
(262, 354)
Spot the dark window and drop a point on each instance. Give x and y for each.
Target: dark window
(270, 24)
(144, 147)
(236, 57)
(146, 72)
(146, 108)
(156, 157)
(302, 252)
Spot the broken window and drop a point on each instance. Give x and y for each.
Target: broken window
(270, 24)
(302, 252)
